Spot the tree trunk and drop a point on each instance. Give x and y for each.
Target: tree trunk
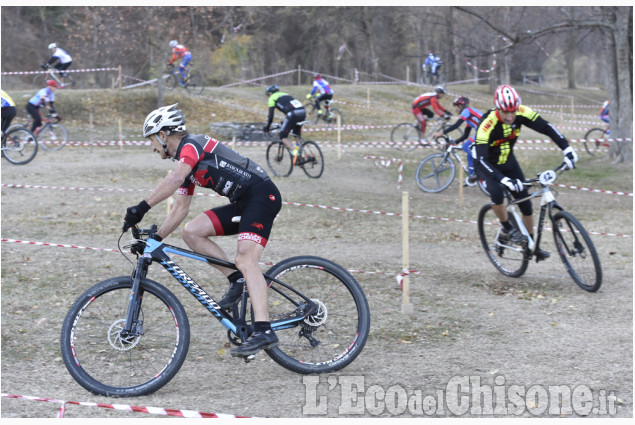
(571, 53)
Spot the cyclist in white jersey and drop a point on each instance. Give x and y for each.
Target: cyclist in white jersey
(64, 60)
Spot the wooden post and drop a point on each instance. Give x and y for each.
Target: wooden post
(368, 96)
(170, 199)
(461, 176)
(120, 134)
(120, 76)
(406, 307)
(572, 108)
(339, 136)
(234, 142)
(407, 73)
(299, 74)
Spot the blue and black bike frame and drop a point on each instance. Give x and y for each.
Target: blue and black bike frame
(156, 251)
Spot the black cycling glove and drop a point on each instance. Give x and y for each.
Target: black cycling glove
(135, 214)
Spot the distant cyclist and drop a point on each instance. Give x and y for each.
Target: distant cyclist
(604, 113)
(44, 97)
(64, 61)
(471, 117)
(9, 111)
(420, 107)
(326, 94)
(180, 52)
(294, 114)
(433, 63)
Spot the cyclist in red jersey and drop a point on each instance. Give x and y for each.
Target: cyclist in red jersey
(204, 161)
(420, 106)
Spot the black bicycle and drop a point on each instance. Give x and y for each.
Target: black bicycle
(19, 145)
(573, 242)
(129, 335)
(193, 81)
(329, 115)
(281, 160)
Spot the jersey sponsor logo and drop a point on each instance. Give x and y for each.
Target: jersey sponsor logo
(182, 191)
(258, 226)
(237, 170)
(487, 125)
(199, 179)
(250, 237)
(272, 197)
(227, 187)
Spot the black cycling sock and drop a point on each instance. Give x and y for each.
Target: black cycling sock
(507, 225)
(262, 326)
(235, 276)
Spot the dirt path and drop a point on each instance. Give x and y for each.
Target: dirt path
(469, 320)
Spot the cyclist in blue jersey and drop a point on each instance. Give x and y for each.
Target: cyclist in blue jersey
(604, 113)
(205, 162)
(294, 115)
(433, 63)
(326, 94)
(471, 117)
(44, 97)
(64, 61)
(9, 111)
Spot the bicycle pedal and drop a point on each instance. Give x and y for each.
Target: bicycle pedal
(249, 358)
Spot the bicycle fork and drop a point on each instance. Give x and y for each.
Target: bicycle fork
(133, 327)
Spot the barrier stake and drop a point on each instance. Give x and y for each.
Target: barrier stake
(234, 142)
(120, 77)
(406, 307)
(461, 185)
(368, 96)
(120, 135)
(339, 136)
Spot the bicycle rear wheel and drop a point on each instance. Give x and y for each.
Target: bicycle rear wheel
(591, 142)
(312, 160)
(279, 159)
(509, 259)
(435, 173)
(332, 119)
(577, 251)
(19, 146)
(195, 83)
(405, 137)
(333, 336)
(104, 362)
(53, 137)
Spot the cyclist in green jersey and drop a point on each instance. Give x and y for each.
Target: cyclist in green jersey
(294, 112)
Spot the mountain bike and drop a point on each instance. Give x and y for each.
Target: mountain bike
(596, 138)
(436, 172)
(280, 159)
(407, 136)
(51, 135)
(329, 116)
(53, 74)
(573, 243)
(129, 335)
(193, 81)
(19, 145)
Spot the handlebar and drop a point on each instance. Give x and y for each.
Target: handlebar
(547, 177)
(137, 233)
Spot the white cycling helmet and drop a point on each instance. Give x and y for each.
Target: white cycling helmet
(173, 43)
(52, 46)
(168, 118)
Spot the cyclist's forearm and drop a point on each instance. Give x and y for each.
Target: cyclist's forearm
(174, 218)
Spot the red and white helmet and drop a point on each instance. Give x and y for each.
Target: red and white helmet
(506, 98)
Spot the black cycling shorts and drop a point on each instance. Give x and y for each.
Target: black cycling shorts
(512, 170)
(291, 123)
(257, 208)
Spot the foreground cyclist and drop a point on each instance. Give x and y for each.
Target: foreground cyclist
(496, 136)
(204, 161)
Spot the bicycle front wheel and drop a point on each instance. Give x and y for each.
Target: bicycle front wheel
(195, 83)
(312, 160)
(509, 259)
(333, 336)
(591, 142)
(104, 362)
(53, 137)
(19, 145)
(279, 159)
(435, 173)
(170, 82)
(38, 81)
(405, 137)
(577, 251)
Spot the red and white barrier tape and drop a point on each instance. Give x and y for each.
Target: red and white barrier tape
(181, 413)
(53, 69)
(381, 161)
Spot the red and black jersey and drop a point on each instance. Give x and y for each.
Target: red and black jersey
(217, 167)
